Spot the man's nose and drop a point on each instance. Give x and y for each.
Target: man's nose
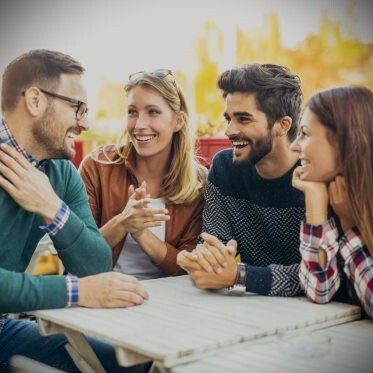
(231, 129)
(83, 124)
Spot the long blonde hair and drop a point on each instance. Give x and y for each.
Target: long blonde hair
(182, 183)
(348, 112)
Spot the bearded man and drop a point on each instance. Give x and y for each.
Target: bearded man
(250, 205)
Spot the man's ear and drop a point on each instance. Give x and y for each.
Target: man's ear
(282, 126)
(34, 102)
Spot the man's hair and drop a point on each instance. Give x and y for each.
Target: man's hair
(278, 92)
(39, 67)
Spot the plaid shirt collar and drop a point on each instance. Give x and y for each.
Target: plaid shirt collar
(7, 137)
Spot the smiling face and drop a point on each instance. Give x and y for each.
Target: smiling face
(151, 123)
(58, 128)
(319, 158)
(247, 128)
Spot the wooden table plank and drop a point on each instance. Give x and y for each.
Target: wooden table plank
(347, 348)
(181, 322)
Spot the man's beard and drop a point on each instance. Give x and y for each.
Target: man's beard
(45, 137)
(258, 151)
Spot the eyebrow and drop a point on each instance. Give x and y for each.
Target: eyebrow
(239, 114)
(146, 107)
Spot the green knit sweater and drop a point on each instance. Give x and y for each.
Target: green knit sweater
(79, 244)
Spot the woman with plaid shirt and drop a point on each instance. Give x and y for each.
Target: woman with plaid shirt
(336, 174)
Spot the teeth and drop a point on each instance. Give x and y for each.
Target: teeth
(303, 162)
(240, 143)
(144, 138)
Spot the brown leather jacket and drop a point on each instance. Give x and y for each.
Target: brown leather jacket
(107, 187)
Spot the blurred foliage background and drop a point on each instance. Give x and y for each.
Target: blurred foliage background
(332, 56)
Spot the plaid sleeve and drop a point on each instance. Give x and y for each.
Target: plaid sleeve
(72, 290)
(358, 267)
(319, 284)
(58, 222)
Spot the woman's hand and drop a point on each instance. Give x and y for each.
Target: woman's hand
(136, 216)
(340, 203)
(316, 198)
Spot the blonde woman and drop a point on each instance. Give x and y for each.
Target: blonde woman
(146, 193)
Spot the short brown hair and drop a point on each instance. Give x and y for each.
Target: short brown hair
(37, 67)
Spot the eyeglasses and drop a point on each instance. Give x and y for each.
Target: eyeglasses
(159, 73)
(81, 107)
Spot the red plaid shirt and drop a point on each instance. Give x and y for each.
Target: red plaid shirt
(320, 284)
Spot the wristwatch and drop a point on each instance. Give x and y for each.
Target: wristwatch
(239, 286)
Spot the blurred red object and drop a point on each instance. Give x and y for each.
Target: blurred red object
(207, 147)
(78, 153)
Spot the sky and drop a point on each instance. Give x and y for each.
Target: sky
(114, 38)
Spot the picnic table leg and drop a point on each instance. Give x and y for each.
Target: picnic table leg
(158, 368)
(128, 358)
(78, 347)
(82, 353)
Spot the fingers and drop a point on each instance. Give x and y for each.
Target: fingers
(340, 185)
(111, 289)
(141, 191)
(337, 190)
(6, 185)
(15, 156)
(135, 288)
(296, 179)
(204, 258)
(342, 181)
(155, 212)
(152, 215)
(131, 191)
(232, 247)
(130, 291)
(332, 189)
(212, 241)
(187, 261)
(138, 193)
(141, 203)
(214, 257)
(10, 167)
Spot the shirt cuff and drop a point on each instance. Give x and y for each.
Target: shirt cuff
(315, 237)
(58, 222)
(351, 242)
(72, 290)
(258, 279)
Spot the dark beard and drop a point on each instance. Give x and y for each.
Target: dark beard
(261, 149)
(258, 151)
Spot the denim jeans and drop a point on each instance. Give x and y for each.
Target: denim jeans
(20, 337)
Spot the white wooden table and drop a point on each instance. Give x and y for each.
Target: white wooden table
(181, 323)
(343, 348)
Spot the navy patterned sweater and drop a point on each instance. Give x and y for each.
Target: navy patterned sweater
(263, 216)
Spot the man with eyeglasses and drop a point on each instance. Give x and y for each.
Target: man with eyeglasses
(44, 109)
